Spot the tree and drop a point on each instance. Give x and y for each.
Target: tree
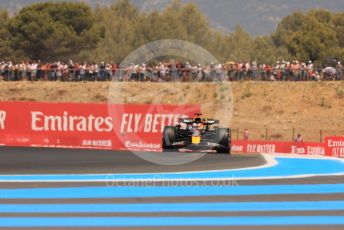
(265, 51)
(287, 26)
(119, 22)
(127, 28)
(195, 24)
(219, 45)
(124, 9)
(6, 53)
(312, 36)
(241, 45)
(51, 31)
(338, 23)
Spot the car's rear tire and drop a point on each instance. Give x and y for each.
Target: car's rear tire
(223, 138)
(168, 137)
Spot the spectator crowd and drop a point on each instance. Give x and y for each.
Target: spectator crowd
(168, 71)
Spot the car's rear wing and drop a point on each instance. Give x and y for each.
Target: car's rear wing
(190, 121)
(187, 121)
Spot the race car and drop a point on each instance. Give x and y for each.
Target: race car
(196, 134)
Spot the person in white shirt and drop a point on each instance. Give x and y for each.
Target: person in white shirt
(299, 138)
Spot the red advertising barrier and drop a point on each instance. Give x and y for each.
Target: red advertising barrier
(304, 148)
(87, 125)
(334, 146)
(126, 127)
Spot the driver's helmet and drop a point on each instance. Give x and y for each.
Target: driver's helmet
(197, 125)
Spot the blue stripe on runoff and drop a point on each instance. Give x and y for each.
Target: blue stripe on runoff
(173, 191)
(174, 207)
(169, 221)
(286, 167)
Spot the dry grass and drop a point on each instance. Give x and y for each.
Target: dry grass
(306, 106)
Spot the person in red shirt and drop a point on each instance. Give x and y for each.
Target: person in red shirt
(268, 71)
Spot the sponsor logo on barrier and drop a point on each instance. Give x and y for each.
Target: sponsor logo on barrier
(317, 150)
(237, 148)
(261, 148)
(338, 152)
(97, 143)
(334, 146)
(297, 150)
(66, 123)
(147, 123)
(140, 145)
(2, 119)
(308, 150)
(333, 143)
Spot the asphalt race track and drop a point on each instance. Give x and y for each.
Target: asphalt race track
(69, 161)
(91, 189)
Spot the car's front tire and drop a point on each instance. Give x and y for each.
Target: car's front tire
(168, 137)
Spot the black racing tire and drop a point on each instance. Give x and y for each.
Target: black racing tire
(223, 137)
(168, 137)
(166, 150)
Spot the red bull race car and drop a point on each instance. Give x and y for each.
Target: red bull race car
(196, 134)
